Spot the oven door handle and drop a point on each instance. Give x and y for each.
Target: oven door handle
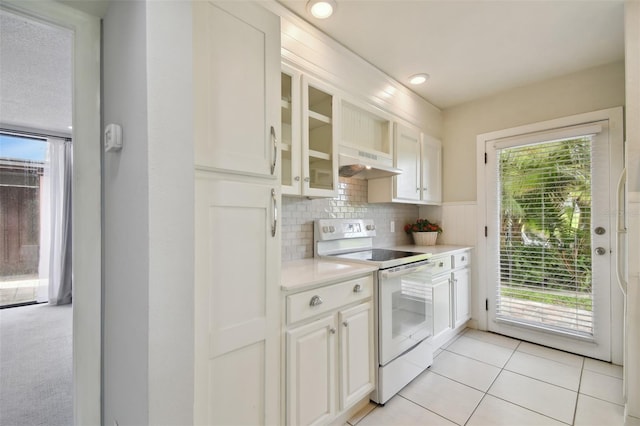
(403, 270)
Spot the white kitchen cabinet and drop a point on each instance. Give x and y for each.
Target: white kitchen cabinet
(419, 157)
(461, 280)
(362, 128)
(329, 350)
(431, 170)
(407, 157)
(237, 241)
(311, 371)
(237, 119)
(451, 284)
(356, 354)
(441, 304)
(309, 120)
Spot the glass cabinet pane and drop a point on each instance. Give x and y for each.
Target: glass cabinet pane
(320, 125)
(286, 138)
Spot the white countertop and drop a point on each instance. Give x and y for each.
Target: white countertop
(298, 274)
(434, 250)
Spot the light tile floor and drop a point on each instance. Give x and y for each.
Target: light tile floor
(481, 378)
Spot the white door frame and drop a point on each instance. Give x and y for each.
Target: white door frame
(615, 117)
(86, 208)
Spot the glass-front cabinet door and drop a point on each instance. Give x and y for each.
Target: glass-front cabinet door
(319, 133)
(290, 142)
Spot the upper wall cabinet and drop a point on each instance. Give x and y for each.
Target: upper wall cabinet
(431, 170)
(309, 120)
(237, 119)
(419, 157)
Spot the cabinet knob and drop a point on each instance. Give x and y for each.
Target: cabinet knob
(297, 178)
(307, 179)
(463, 258)
(315, 301)
(440, 265)
(332, 330)
(346, 324)
(357, 288)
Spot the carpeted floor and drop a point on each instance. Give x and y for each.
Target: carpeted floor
(36, 385)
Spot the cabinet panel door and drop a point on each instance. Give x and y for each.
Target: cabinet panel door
(441, 304)
(431, 170)
(236, 87)
(407, 150)
(462, 288)
(291, 140)
(356, 354)
(311, 373)
(237, 308)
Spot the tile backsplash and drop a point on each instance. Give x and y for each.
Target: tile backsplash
(298, 215)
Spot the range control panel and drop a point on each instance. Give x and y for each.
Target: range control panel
(338, 229)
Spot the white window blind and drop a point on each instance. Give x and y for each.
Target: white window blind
(545, 236)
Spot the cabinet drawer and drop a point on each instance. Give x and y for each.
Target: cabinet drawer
(461, 259)
(439, 265)
(307, 304)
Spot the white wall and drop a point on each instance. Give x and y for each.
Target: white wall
(589, 90)
(148, 217)
(171, 212)
(126, 218)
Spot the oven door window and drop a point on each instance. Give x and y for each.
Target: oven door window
(405, 312)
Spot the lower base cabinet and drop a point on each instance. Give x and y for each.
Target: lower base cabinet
(330, 362)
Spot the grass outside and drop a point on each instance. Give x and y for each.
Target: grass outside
(583, 302)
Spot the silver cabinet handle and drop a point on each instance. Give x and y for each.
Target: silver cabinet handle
(315, 301)
(357, 288)
(274, 225)
(274, 139)
(332, 330)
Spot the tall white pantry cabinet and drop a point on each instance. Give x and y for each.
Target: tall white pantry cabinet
(237, 235)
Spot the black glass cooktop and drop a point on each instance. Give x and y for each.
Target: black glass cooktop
(377, 255)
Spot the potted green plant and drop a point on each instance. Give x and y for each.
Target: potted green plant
(424, 232)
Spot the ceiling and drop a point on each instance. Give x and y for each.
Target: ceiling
(475, 48)
(35, 70)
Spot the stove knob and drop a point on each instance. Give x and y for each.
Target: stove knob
(332, 229)
(371, 227)
(325, 229)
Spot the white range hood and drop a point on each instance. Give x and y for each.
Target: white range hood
(363, 164)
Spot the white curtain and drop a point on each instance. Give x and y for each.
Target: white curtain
(55, 225)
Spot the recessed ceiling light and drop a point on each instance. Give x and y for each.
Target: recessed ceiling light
(418, 79)
(70, 127)
(321, 9)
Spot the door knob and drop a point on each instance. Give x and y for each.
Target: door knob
(600, 230)
(600, 251)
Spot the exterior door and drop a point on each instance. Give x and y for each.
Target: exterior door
(550, 240)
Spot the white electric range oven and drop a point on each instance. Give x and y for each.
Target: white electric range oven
(403, 300)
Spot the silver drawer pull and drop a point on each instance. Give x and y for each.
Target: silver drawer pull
(357, 288)
(315, 301)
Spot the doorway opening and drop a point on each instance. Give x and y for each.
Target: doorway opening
(35, 219)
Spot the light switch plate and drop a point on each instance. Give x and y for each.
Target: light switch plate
(112, 137)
